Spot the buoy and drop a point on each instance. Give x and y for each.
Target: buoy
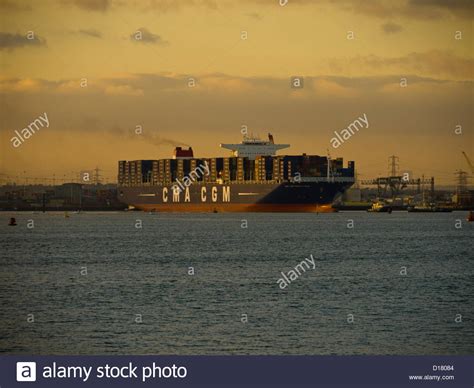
(470, 216)
(12, 222)
(66, 215)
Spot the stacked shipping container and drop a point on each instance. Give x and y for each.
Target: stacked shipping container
(239, 169)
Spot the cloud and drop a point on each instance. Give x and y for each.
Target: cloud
(255, 15)
(224, 83)
(12, 41)
(143, 35)
(384, 9)
(163, 6)
(436, 64)
(122, 90)
(213, 85)
(13, 5)
(90, 32)
(91, 5)
(23, 85)
(391, 28)
(332, 87)
(416, 9)
(452, 5)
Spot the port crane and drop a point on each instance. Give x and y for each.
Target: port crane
(471, 166)
(470, 216)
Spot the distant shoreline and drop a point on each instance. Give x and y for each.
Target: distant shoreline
(337, 210)
(65, 209)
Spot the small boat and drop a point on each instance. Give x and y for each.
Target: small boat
(429, 209)
(470, 216)
(380, 207)
(12, 222)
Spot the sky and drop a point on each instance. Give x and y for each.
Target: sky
(193, 72)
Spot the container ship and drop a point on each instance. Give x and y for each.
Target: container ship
(252, 179)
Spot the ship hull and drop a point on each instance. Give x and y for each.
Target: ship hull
(236, 197)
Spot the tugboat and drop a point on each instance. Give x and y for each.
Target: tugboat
(12, 222)
(380, 207)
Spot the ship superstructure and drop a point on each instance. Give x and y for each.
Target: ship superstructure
(251, 147)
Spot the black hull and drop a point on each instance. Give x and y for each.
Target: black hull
(236, 197)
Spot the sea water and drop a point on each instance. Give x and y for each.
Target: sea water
(139, 283)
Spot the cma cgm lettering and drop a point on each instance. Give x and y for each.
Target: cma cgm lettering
(207, 194)
(253, 178)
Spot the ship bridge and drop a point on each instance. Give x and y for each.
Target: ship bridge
(251, 147)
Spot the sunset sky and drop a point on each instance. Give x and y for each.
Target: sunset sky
(85, 68)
